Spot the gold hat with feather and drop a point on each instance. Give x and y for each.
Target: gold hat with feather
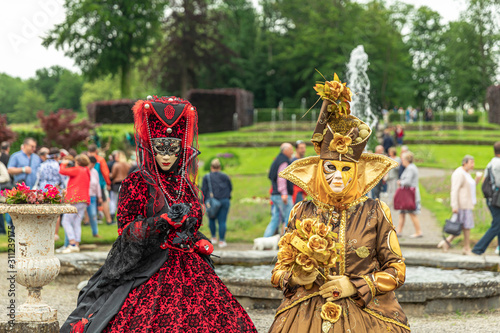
(338, 134)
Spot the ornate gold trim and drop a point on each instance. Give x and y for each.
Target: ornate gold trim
(305, 298)
(358, 201)
(342, 227)
(288, 174)
(370, 284)
(375, 158)
(395, 248)
(383, 207)
(389, 320)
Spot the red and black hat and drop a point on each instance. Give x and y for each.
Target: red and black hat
(165, 117)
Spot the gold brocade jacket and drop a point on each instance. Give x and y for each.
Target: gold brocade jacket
(369, 254)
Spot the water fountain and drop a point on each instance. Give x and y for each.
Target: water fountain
(273, 120)
(281, 110)
(303, 105)
(358, 81)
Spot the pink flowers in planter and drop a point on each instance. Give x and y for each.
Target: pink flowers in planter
(22, 194)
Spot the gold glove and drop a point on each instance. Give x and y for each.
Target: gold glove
(304, 279)
(338, 287)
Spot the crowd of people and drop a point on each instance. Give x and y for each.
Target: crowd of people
(462, 195)
(410, 115)
(92, 184)
(89, 182)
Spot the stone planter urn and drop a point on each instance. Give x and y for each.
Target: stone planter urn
(36, 265)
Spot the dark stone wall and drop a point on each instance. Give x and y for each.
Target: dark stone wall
(216, 108)
(493, 99)
(112, 112)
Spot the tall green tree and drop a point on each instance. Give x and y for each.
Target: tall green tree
(46, 79)
(102, 89)
(322, 35)
(191, 43)
(11, 91)
(430, 73)
(67, 92)
(390, 69)
(61, 88)
(26, 108)
(107, 37)
(471, 53)
(238, 31)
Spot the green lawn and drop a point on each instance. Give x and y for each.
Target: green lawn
(450, 156)
(435, 193)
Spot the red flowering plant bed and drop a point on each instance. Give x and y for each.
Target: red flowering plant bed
(22, 194)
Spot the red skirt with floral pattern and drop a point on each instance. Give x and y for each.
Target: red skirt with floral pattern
(185, 295)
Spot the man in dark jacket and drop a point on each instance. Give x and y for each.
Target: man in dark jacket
(282, 192)
(388, 141)
(221, 187)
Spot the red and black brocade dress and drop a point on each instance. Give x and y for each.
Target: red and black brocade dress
(182, 292)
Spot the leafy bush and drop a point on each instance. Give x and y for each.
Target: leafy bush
(23, 133)
(265, 115)
(61, 131)
(6, 134)
(115, 137)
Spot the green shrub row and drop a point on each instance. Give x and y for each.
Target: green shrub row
(439, 117)
(265, 115)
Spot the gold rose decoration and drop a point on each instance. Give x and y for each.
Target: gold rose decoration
(311, 246)
(337, 93)
(338, 134)
(341, 144)
(330, 313)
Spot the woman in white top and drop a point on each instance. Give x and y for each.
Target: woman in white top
(463, 199)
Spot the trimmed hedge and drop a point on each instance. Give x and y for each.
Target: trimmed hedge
(265, 115)
(438, 117)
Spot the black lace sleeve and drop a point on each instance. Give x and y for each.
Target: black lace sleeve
(139, 240)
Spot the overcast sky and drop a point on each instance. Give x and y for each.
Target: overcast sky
(24, 23)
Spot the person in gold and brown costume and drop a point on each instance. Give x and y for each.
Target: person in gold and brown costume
(339, 261)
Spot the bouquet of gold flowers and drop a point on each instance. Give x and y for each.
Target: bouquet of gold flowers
(336, 93)
(311, 246)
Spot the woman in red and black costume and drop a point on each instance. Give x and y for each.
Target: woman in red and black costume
(158, 276)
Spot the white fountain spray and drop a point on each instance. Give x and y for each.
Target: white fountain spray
(358, 81)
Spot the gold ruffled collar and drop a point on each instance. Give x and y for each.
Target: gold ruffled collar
(371, 169)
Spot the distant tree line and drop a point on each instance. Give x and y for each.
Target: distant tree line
(132, 48)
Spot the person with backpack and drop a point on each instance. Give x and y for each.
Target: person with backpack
(491, 178)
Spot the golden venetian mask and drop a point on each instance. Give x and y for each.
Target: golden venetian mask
(340, 175)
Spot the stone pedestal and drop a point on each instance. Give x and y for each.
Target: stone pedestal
(30, 327)
(36, 265)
